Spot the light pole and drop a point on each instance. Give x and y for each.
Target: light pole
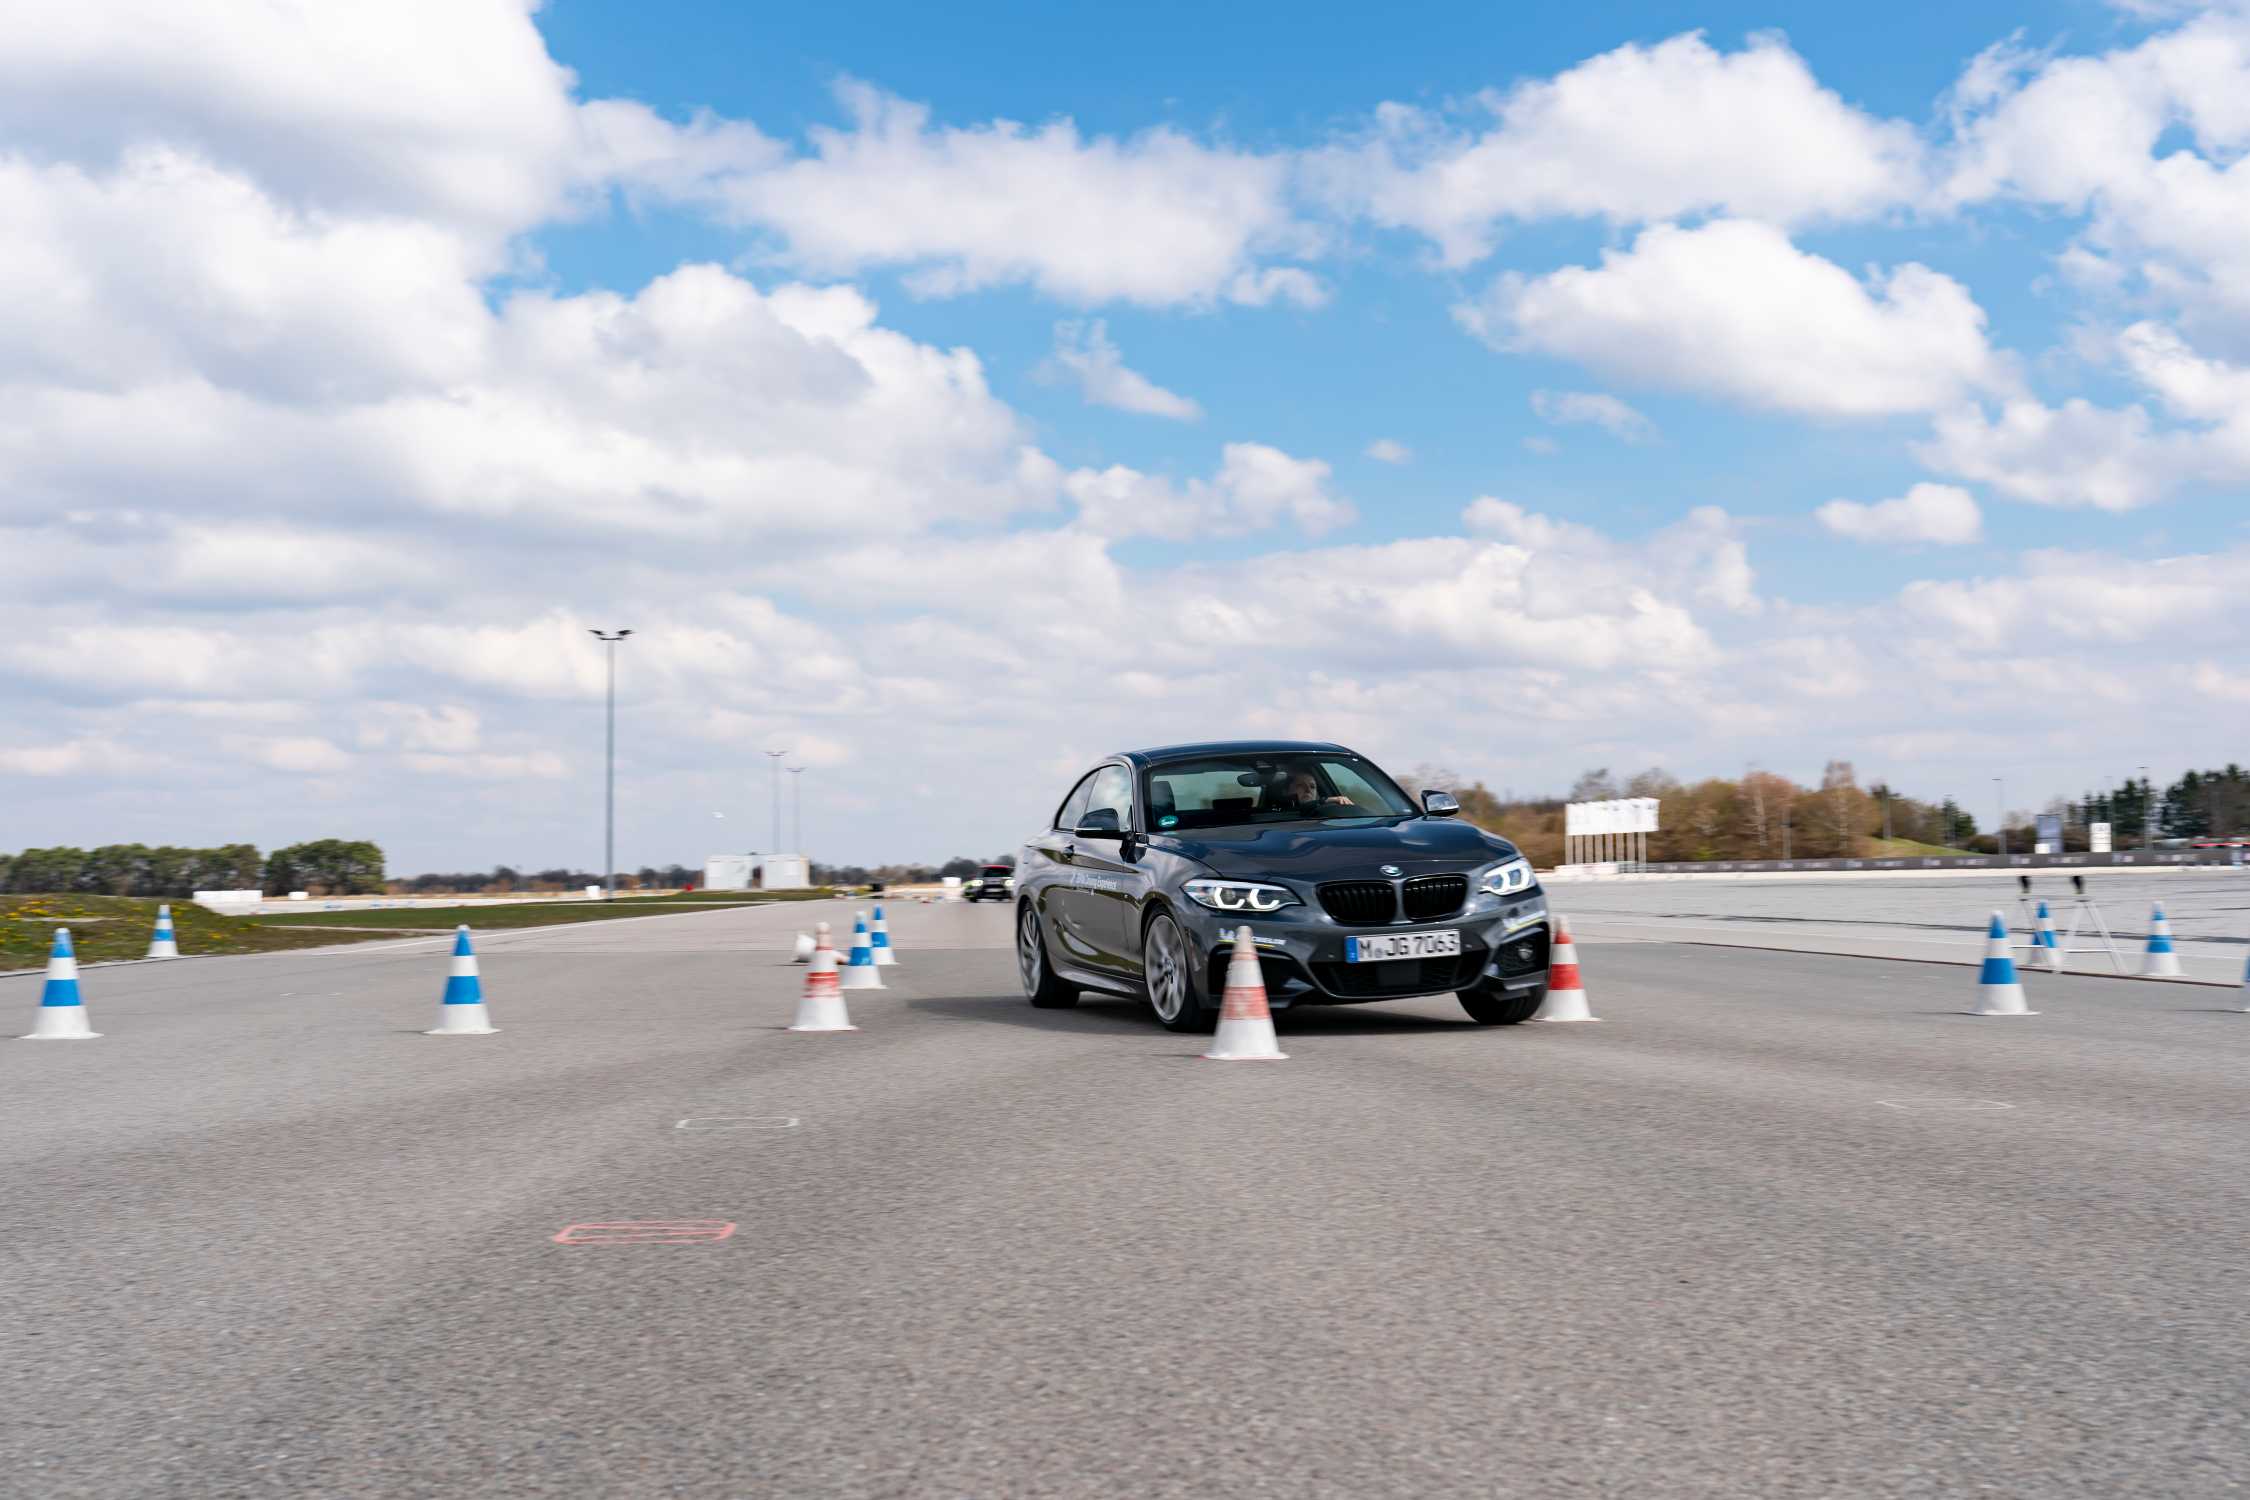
(796, 810)
(2000, 791)
(776, 755)
(2148, 813)
(609, 777)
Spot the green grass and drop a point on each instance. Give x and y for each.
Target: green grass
(515, 914)
(111, 927)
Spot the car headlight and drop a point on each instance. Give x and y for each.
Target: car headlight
(1508, 879)
(1009, 881)
(974, 885)
(1239, 895)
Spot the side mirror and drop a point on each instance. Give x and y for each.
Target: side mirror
(1100, 823)
(1440, 805)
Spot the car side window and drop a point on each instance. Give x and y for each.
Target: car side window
(1074, 806)
(1112, 793)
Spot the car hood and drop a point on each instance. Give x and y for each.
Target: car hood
(1308, 851)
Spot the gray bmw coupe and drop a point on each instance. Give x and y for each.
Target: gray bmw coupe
(1352, 892)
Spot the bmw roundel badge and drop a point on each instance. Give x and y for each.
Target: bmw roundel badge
(1393, 870)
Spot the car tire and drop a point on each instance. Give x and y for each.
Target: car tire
(1168, 974)
(1040, 986)
(1498, 1007)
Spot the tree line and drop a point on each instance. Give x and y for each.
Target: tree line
(323, 866)
(1761, 815)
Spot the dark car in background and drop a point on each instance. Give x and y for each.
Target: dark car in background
(1352, 891)
(992, 883)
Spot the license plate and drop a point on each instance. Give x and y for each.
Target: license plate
(1389, 947)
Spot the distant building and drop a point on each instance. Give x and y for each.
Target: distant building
(755, 872)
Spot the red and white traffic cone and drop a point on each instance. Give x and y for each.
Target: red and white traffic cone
(822, 1008)
(1245, 1024)
(1566, 992)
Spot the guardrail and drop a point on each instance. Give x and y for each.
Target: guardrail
(2145, 859)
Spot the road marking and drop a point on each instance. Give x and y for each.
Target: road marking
(739, 1122)
(1945, 1106)
(648, 1232)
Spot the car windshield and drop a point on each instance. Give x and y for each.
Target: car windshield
(992, 872)
(1230, 790)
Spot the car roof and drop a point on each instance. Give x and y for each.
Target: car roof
(1231, 747)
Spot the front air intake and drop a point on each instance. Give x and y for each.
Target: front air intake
(1365, 903)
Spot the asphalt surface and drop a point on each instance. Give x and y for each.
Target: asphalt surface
(1932, 918)
(1781, 1225)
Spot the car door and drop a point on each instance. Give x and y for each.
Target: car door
(1055, 897)
(1110, 882)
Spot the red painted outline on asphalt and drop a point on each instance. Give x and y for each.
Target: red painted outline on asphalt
(648, 1232)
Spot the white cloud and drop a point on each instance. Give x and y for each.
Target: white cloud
(354, 108)
(1733, 309)
(1156, 219)
(2076, 455)
(1564, 408)
(1390, 451)
(2146, 141)
(1084, 353)
(2111, 458)
(86, 756)
(2084, 598)
(302, 754)
(1631, 136)
(1937, 513)
(1256, 487)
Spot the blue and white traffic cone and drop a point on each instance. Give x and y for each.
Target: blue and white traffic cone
(62, 1013)
(880, 936)
(162, 944)
(859, 973)
(463, 1012)
(2160, 960)
(1999, 992)
(2245, 1006)
(2050, 951)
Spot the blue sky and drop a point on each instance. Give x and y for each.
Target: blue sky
(1393, 363)
(954, 400)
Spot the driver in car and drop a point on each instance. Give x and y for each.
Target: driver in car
(1303, 794)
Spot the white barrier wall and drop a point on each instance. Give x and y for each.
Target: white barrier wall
(230, 903)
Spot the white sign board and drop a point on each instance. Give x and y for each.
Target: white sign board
(2097, 838)
(1612, 815)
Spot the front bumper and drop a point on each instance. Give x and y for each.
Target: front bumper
(1504, 947)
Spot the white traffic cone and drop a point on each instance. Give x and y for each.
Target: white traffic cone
(879, 935)
(859, 973)
(162, 943)
(2246, 987)
(463, 1012)
(804, 949)
(1999, 992)
(822, 1007)
(62, 1011)
(1566, 992)
(2160, 961)
(1245, 1025)
(2050, 951)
